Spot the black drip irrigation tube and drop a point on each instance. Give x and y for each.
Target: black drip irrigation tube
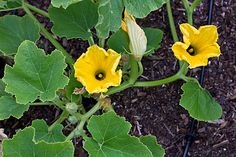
(191, 135)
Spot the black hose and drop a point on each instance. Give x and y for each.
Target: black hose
(190, 137)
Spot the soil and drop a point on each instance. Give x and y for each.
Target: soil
(156, 110)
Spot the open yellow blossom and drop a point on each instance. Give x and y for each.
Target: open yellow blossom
(137, 37)
(96, 69)
(199, 45)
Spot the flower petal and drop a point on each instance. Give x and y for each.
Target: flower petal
(189, 32)
(94, 60)
(179, 50)
(210, 51)
(207, 36)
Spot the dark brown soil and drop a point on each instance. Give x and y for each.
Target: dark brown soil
(155, 110)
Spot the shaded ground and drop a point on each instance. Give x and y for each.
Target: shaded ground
(156, 110)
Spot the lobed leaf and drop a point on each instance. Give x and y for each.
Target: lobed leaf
(153, 146)
(140, 9)
(42, 133)
(75, 21)
(23, 144)
(34, 74)
(110, 15)
(63, 3)
(110, 138)
(9, 107)
(14, 30)
(199, 103)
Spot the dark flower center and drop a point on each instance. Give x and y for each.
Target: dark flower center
(100, 75)
(190, 50)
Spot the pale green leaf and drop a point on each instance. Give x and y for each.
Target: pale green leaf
(110, 138)
(153, 146)
(14, 30)
(75, 21)
(63, 3)
(110, 15)
(42, 133)
(9, 107)
(199, 103)
(23, 145)
(140, 9)
(34, 74)
(6, 5)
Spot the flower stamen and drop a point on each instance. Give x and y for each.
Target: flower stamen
(100, 75)
(190, 50)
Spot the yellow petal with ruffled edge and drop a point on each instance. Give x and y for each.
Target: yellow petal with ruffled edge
(94, 62)
(202, 41)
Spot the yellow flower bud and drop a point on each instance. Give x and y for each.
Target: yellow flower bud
(137, 37)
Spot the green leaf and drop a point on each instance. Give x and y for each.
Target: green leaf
(9, 107)
(153, 146)
(63, 3)
(23, 145)
(6, 5)
(34, 74)
(42, 133)
(110, 138)
(73, 83)
(2, 88)
(75, 21)
(110, 15)
(199, 103)
(14, 30)
(154, 38)
(119, 41)
(140, 9)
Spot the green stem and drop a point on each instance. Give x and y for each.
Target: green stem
(189, 11)
(62, 117)
(157, 82)
(91, 41)
(101, 42)
(134, 74)
(37, 10)
(171, 22)
(49, 36)
(84, 118)
(140, 65)
(195, 4)
(41, 104)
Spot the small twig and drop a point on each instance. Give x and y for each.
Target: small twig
(221, 144)
(168, 130)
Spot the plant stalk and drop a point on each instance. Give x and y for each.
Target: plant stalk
(37, 10)
(62, 117)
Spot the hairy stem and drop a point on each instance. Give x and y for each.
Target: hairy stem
(49, 36)
(171, 22)
(84, 118)
(62, 117)
(37, 10)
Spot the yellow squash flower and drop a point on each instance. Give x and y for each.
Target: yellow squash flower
(96, 69)
(199, 45)
(137, 37)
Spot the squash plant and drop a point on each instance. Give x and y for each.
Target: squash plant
(40, 78)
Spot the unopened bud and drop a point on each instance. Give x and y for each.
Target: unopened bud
(73, 119)
(71, 107)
